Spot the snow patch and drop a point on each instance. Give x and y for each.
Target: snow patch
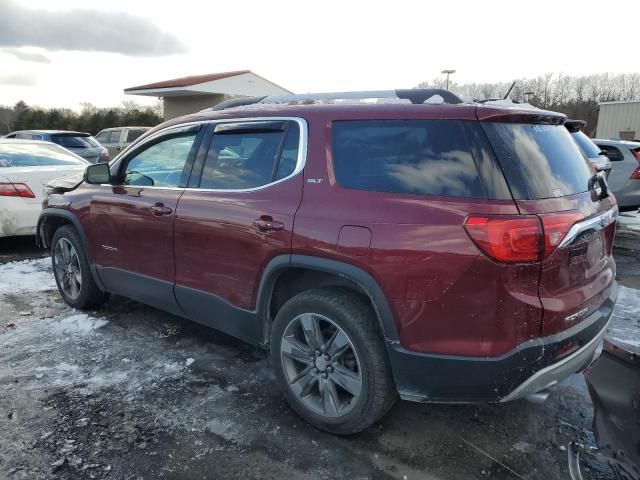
(26, 276)
(189, 361)
(80, 324)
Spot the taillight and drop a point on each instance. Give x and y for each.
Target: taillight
(636, 173)
(556, 226)
(522, 238)
(15, 190)
(510, 239)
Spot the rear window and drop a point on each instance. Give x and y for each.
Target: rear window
(539, 161)
(420, 157)
(589, 148)
(71, 141)
(35, 155)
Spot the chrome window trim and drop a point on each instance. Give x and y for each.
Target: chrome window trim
(596, 223)
(300, 161)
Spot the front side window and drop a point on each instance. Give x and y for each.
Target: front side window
(102, 137)
(161, 164)
(114, 136)
(246, 158)
(419, 157)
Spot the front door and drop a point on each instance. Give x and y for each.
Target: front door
(236, 218)
(133, 218)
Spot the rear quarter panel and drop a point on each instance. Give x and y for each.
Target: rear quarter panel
(445, 295)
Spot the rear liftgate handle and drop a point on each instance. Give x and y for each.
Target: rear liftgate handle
(267, 224)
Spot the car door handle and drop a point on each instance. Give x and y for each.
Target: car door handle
(267, 224)
(159, 209)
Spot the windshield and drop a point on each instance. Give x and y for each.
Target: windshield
(539, 161)
(589, 148)
(75, 141)
(35, 155)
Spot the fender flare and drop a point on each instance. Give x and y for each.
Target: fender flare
(364, 280)
(75, 221)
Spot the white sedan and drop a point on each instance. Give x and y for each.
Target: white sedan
(26, 166)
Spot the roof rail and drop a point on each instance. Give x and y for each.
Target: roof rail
(414, 95)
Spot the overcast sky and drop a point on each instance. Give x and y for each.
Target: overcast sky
(66, 52)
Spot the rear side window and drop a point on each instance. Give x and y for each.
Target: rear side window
(539, 161)
(70, 141)
(420, 157)
(134, 134)
(614, 154)
(243, 158)
(589, 148)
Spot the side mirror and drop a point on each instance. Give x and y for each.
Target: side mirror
(97, 174)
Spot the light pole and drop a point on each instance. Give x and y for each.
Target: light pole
(448, 72)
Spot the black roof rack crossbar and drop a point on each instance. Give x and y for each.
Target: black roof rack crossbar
(414, 95)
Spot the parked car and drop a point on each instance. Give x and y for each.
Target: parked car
(624, 179)
(590, 150)
(117, 139)
(25, 167)
(82, 144)
(440, 252)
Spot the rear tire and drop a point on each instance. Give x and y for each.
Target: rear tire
(72, 272)
(331, 362)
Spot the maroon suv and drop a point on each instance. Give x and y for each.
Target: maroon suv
(450, 252)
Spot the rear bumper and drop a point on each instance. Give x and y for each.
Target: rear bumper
(18, 216)
(531, 367)
(629, 195)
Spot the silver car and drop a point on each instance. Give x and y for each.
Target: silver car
(624, 179)
(80, 143)
(597, 158)
(118, 138)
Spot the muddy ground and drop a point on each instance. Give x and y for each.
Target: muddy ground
(129, 392)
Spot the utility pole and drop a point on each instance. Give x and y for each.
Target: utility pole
(448, 72)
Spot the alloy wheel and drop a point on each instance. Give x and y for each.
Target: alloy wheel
(67, 270)
(321, 365)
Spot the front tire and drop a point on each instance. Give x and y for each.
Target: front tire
(72, 272)
(330, 361)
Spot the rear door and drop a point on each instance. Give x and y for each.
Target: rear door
(549, 177)
(236, 215)
(132, 219)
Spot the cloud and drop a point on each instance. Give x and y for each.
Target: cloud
(26, 55)
(18, 79)
(84, 30)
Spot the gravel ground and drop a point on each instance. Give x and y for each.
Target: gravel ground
(129, 392)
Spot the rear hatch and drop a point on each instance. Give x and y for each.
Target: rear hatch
(551, 179)
(82, 144)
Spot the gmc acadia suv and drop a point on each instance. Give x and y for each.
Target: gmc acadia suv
(433, 249)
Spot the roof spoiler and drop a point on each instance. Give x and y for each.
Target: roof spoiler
(414, 95)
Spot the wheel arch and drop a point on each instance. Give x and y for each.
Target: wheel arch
(50, 220)
(324, 272)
